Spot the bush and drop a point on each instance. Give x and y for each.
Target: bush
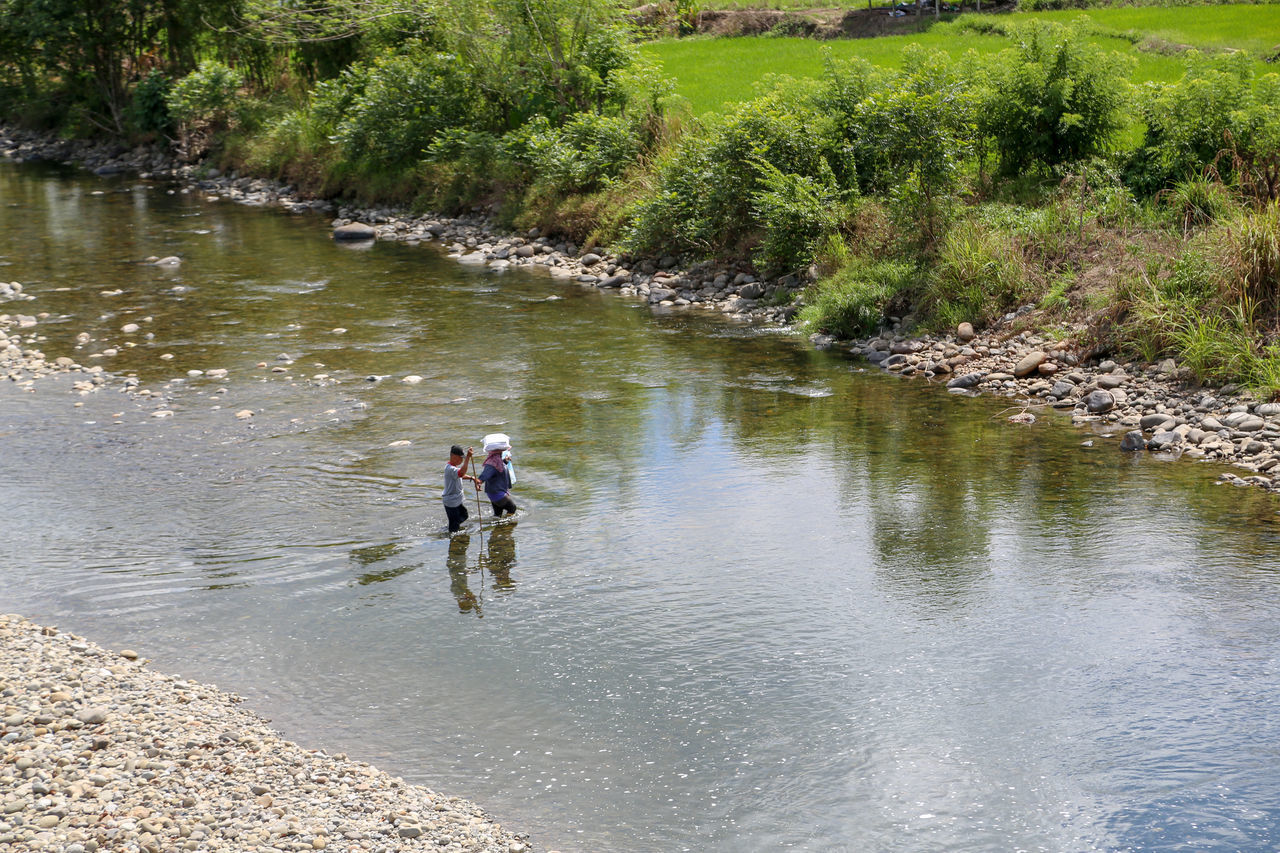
(583, 155)
(1053, 99)
(796, 212)
(913, 137)
(400, 104)
(149, 110)
(1215, 115)
(854, 301)
(704, 198)
(207, 97)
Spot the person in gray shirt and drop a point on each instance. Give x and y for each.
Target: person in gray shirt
(455, 505)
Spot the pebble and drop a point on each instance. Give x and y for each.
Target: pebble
(158, 763)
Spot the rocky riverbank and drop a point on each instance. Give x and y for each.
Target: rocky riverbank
(1157, 407)
(99, 753)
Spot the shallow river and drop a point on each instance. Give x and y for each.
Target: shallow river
(756, 598)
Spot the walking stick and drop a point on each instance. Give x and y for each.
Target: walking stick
(480, 554)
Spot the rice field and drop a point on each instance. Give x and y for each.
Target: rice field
(714, 74)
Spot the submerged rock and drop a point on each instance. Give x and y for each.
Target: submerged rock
(1133, 440)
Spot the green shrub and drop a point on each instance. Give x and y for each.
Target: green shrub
(148, 109)
(1216, 115)
(583, 155)
(921, 121)
(206, 97)
(796, 212)
(913, 137)
(854, 301)
(1053, 98)
(704, 195)
(404, 101)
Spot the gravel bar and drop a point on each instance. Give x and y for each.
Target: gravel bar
(99, 753)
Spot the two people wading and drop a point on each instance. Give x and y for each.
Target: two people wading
(497, 475)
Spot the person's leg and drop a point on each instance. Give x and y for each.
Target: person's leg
(457, 515)
(506, 504)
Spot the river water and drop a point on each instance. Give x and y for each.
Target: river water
(755, 598)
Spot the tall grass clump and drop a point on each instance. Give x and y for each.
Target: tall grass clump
(1218, 308)
(855, 300)
(1198, 202)
(979, 274)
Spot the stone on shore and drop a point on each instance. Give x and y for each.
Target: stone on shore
(965, 332)
(1099, 401)
(1028, 364)
(968, 380)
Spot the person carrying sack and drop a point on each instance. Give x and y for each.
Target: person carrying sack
(494, 475)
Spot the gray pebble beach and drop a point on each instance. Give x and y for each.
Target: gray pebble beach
(100, 753)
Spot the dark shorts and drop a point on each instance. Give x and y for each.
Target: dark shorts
(504, 505)
(457, 515)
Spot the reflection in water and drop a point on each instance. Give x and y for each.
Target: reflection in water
(468, 601)
(500, 555)
(496, 559)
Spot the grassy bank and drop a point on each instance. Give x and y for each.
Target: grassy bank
(1098, 170)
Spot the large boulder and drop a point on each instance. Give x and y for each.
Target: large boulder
(354, 231)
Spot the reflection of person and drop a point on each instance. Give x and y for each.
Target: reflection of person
(457, 563)
(502, 555)
(497, 483)
(455, 505)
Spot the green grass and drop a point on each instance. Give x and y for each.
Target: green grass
(1255, 29)
(714, 74)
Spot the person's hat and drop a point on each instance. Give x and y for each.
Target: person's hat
(496, 441)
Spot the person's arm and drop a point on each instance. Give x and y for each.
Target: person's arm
(466, 462)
